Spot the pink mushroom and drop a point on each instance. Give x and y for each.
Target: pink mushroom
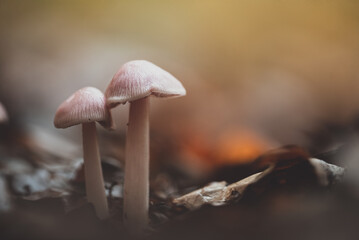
(134, 82)
(3, 114)
(86, 106)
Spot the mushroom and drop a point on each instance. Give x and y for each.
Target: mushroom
(3, 114)
(86, 106)
(134, 82)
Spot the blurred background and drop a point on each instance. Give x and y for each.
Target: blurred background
(259, 74)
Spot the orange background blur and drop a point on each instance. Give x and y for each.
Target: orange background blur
(271, 70)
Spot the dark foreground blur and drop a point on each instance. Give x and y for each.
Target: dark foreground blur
(43, 197)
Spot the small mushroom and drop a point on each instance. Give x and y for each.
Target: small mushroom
(3, 114)
(134, 82)
(86, 106)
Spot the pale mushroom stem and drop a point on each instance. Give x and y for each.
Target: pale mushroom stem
(95, 187)
(136, 185)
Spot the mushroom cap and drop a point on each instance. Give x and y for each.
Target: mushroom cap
(84, 106)
(138, 79)
(3, 114)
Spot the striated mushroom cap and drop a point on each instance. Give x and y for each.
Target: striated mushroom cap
(138, 79)
(3, 114)
(84, 106)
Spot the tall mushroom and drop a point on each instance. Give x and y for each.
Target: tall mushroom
(86, 106)
(134, 82)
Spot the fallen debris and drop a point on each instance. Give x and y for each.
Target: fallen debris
(219, 193)
(327, 173)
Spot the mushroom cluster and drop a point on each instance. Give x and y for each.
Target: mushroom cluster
(134, 82)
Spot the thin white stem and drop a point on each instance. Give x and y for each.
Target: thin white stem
(95, 187)
(136, 189)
